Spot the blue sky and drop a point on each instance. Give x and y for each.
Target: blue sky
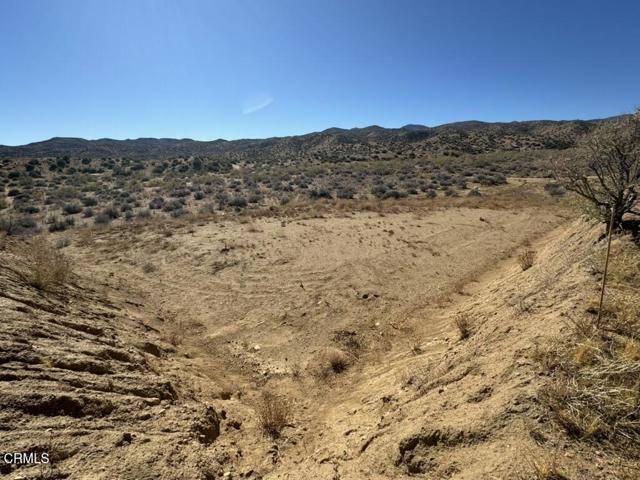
(258, 68)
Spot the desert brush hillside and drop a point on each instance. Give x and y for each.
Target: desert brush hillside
(63, 182)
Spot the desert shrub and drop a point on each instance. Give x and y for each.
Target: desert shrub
(173, 205)
(144, 214)
(319, 193)
(156, 203)
(489, 180)
(338, 362)
(222, 198)
(71, 208)
(111, 212)
(463, 326)
(180, 193)
(348, 339)
(345, 193)
(199, 195)
(207, 208)
(17, 225)
(63, 242)
(254, 198)
(30, 209)
(57, 224)
(394, 194)
(102, 219)
(273, 414)
(88, 212)
(331, 362)
(238, 202)
(46, 266)
(555, 189)
(526, 259)
(379, 191)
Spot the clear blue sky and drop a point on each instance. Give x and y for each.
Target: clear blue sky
(240, 68)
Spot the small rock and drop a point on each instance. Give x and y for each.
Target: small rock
(126, 439)
(207, 427)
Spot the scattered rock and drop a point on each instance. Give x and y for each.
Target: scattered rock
(207, 427)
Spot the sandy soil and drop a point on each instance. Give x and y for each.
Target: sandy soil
(259, 300)
(234, 309)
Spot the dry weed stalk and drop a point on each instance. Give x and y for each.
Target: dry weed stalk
(273, 414)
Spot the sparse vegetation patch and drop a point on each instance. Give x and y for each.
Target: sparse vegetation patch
(46, 267)
(274, 413)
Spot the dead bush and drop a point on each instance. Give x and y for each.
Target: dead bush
(463, 325)
(273, 413)
(547, 355)
(526, 259)
(46, 267)
(332, 362)
(338, 362)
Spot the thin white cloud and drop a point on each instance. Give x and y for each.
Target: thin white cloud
(256, 104)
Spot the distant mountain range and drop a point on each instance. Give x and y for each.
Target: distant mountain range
(461, 137)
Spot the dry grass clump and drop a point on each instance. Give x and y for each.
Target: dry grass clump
(46, 266)
(543, 468)
(595, 392)
(332, 362)
(463, 325)
(624, 266)
(274, 414)
(338, 362)
(149, 267)
(526, 259)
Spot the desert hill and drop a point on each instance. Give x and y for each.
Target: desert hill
(66, 182)
(459, 136)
